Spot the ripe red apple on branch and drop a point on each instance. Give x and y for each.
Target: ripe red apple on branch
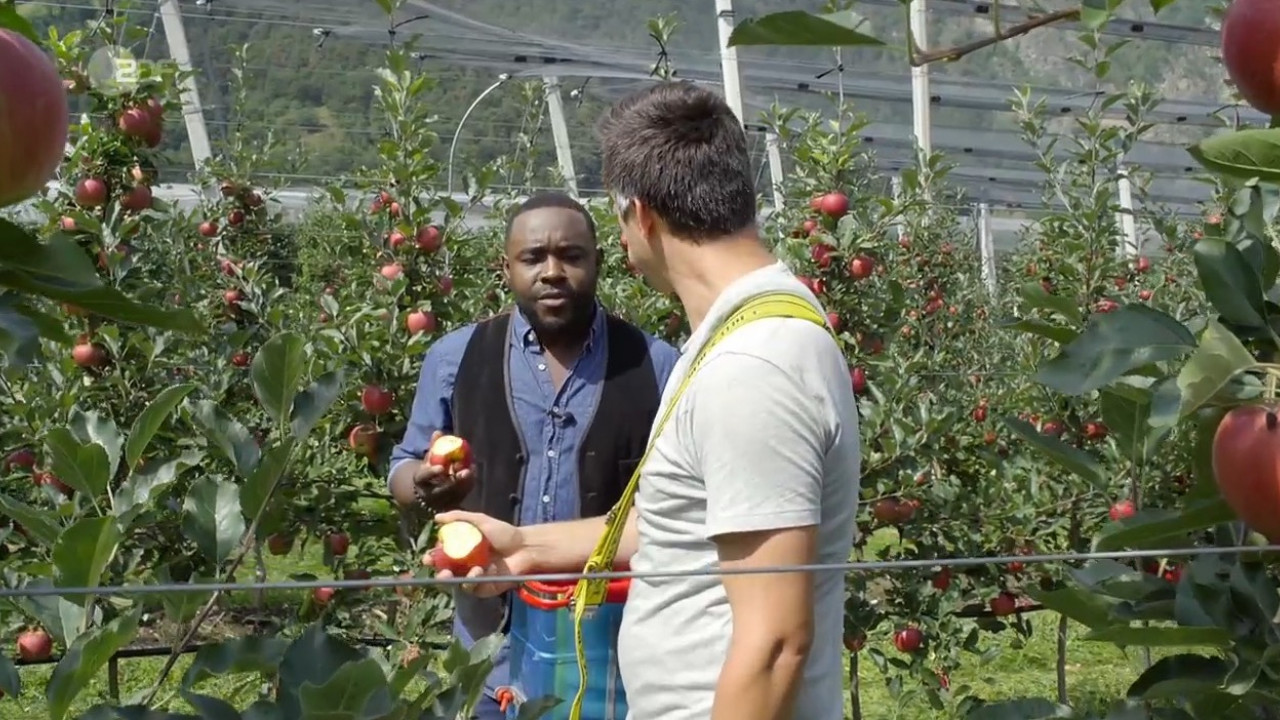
(1251, 52)
(35, 645)
(460, 546)
(1246, 466)
(33, 118)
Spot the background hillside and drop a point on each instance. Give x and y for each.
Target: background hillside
(318, 97)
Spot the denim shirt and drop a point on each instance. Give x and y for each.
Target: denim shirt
(553, 423)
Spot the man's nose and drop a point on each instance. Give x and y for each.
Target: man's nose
(552, 270)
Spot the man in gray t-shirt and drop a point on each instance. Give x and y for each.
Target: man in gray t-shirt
(757, 467)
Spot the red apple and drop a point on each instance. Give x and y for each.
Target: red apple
(392, 271)
(44, 477)
(1251, 54)
(420, 321)
(363, 439)
(1004, 604)
(859, 378)
(861, 267)
(834, 204)
(322, 595)
(135, 122)
(908, 639)
(428, 239)
(35, 645)
(235, 218)
(1122, 510)
(854, 642)
(209, 228)
(1144, 295)
(376, 400)
(942, 580)
(451, 453)
(232, 297)
(278, 544)
(833, 319)
(460, 547)
(88, 355)
(138, 198)
(91, 192)
(33, 117)
(396, 239)
(446, 284)
(24, 458)
(241, 359)
(339, 543)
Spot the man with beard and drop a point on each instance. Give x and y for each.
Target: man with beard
(556, 399)
(759, 466)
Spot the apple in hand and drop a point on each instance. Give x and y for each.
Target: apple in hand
(460, 546)
(451, 453)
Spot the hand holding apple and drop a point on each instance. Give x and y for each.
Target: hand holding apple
(445, 478)
(474, 545)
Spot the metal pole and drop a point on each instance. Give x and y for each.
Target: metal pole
(729, 58)
(920, 79)
(453, 146)
(560, 134)
(1129, 246)
(773, 148)
(192, 111)
(987, 248)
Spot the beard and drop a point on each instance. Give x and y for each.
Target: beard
(555, 324)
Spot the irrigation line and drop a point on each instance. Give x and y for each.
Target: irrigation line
(143, 652)
(367, 584)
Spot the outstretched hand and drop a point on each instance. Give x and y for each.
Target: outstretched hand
(508, 554)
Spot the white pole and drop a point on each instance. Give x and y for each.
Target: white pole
(175, 35)
(560, 134)
(920, 79)
(987, 248)
(774, 149)
(1129, 247)
(895, 184)
(729, 58)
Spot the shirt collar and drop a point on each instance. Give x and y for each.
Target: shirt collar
(522, 334)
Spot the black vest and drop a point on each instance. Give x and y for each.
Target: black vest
(612, 446)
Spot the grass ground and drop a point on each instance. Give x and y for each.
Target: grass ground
(1097, 673)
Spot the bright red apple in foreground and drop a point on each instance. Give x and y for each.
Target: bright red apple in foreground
(908, 640)
(1251, 51)
(1246, 466)
(834, 205)
(376, 400)
(460, 546)
(451, 453)
(35, 645)
(33, 118)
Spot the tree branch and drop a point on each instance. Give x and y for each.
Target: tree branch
(919, 57)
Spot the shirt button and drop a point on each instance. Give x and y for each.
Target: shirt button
(551, 453)
(542, 366)
(546, 498)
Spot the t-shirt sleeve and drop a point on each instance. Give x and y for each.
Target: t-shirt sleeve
(760, 445)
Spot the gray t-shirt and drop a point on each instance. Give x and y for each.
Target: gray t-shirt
(765, 437)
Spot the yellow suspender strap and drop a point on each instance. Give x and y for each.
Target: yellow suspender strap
(591, 592)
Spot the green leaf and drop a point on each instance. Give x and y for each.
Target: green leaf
(1242, 154)
(258, 654)
(10, 683)
(1230, 284)
(10, 18)
(41, 525)
(1179, 676)
(1111, 345)
(312, 659)
(312, 403)
(357, 691)
(211, 517)
(1034, 294)
(1096, 13)
(101, 300)
(19, 333)
(134, 495)
(1127, 419)
(229, 436)
(211, 708)
(535, 708)
(86, 657)
(1150, 528)
(1070, 458)
(277, 370)
(258, 488)
(148, 422)
(93, 427)
(82, 466)
(797, 27)
(1020, 709)
(1060, 334)
(181, 607)
(1158, 5)
(1131, 636)
(1086, 608)
(1220, 357)
(83, 553)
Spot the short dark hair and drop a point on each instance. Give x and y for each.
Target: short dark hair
(551, 199)
(678, 148)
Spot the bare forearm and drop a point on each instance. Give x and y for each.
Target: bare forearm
(759, 681)
(566, 546)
